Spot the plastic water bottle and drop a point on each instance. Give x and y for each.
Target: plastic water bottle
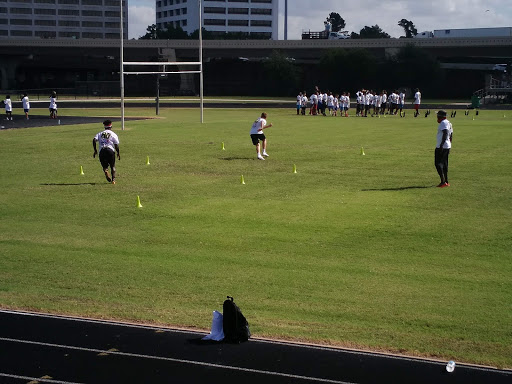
(450, 367)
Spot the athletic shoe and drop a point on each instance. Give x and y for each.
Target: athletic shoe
(441, 185)
(260, 157)
(446, 184)
(113, 181)
(107, 176)
(265, 154)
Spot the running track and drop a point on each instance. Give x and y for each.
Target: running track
(40, 348)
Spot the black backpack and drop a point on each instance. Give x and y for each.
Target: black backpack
(236, 327)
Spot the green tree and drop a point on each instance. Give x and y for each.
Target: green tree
(170, 33)
(207, 35)
(416, 68)
(336, 21)
(152, 32)
(360, 63)
(374, 32)
(281, 75)
(409, 28)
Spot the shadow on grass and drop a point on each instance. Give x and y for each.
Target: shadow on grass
(237, 158)
(68, 184)
(399, 188)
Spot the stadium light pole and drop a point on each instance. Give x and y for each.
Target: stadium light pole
(121, 70)
(201, 60)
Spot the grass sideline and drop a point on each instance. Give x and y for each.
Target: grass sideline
(356, 251)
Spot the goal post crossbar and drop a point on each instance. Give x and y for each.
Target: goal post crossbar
(145, 63)
(155, 73)
(154, 63)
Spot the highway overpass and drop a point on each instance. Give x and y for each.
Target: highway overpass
(102, 56)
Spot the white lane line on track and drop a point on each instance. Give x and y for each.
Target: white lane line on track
(192, 362)
(36, 379)
(291, 344)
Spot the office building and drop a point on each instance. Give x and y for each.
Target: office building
(244, 16)
(53, 19)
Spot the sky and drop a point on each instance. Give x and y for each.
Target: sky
(426, 15)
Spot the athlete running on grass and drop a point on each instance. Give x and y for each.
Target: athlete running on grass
(108, 143)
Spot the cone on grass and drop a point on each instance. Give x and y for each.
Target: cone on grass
(223, 146)
(147, 160)
(242, 181)
(139, 205)
(294, 168)
(82, 171)
(362, 152)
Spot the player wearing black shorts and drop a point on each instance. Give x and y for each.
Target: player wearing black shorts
(108, 143)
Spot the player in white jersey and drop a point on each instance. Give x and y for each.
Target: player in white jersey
(330, 103)
(378, 103)
(336, 104)
(8, 107)
(304, 104)
(360, 103)
(299, 102)
(314, 104)
(346, 105)
(384, 101)
(417, 102)
(26, 105)
(53, 105)
(109, 142)
(443, 146)
(401, 102)
(257, 135)
(375, 101)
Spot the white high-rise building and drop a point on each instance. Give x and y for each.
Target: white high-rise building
(97, 19)
(220, 16)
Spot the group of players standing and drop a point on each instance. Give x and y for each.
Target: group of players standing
(368, 102)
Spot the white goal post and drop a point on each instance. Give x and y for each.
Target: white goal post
(163, 64)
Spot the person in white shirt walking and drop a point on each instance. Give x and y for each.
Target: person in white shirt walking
(109, 142)
(53, 105)
(257, 135)
(8, 107)
(26, 105)
(443, 146)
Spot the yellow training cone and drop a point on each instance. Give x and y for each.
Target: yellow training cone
(362, 152)
(81, 170)
(147, 160)
(223, 146)
(139, 205)
(242, 180)
(294, 168)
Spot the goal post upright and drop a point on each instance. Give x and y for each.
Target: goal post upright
(121, 59)
(201, 61)
(177, 63)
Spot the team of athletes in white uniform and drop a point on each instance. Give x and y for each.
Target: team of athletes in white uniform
(368, 103)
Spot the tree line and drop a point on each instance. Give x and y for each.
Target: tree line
(170, 32)
(370, 32)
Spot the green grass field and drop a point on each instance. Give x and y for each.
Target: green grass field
(355, 251)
